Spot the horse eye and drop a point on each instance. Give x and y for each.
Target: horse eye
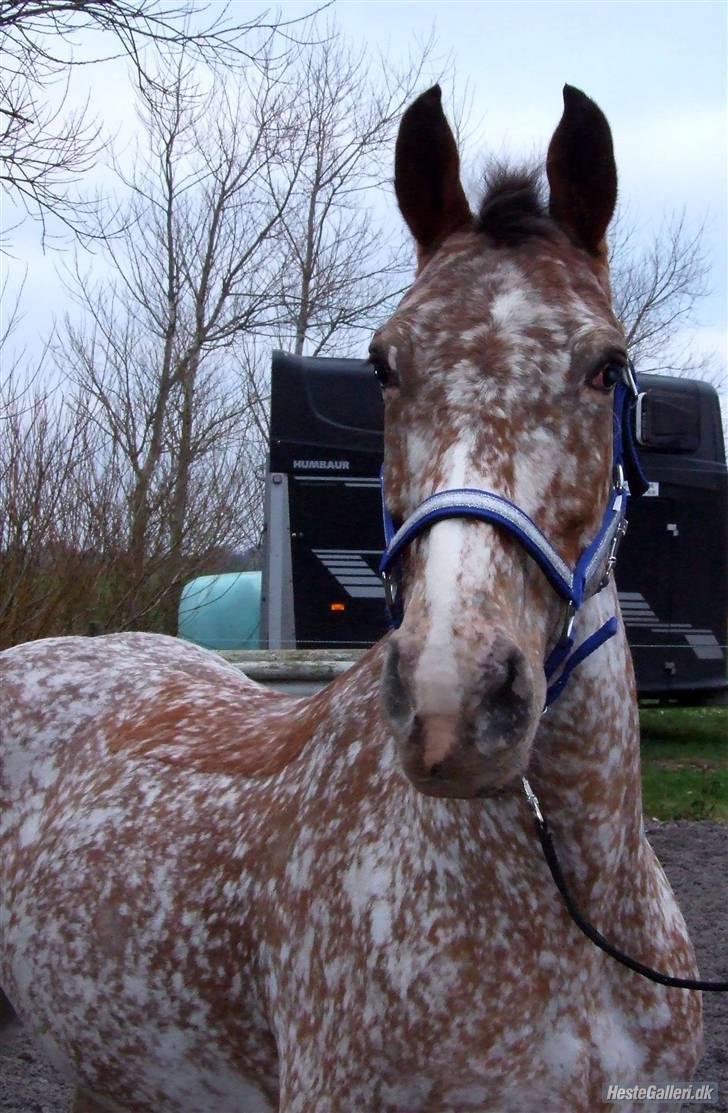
(381, 370)
(381, 367)
(606, 377)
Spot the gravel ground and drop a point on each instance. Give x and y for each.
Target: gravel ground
(694, 856)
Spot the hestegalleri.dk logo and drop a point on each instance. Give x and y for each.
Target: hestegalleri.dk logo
(665, 1091)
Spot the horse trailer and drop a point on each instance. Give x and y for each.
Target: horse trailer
(323, 536)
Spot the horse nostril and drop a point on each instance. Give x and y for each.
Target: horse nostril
(436, 770)
(395, 697)
(511, 671)
(505, 695)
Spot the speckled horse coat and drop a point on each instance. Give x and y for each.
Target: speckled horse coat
(216, 899)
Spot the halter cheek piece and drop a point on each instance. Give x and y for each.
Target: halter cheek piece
(590, 574)
(592, 570)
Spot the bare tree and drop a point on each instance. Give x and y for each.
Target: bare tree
(202, 273)
(42, 452)
(64, 519)
(657, 291)
(345, 259)
(47, 146)
(193, 272)
(341, 256)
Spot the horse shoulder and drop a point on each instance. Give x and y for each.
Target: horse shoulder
(141, 696)
(222, 723)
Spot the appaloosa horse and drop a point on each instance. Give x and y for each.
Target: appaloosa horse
(216, 899)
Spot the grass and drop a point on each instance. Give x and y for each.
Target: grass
(685, 762)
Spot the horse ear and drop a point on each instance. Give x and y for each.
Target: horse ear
(581, 171)
(427, 174)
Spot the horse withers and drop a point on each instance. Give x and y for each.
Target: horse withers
(217, 899)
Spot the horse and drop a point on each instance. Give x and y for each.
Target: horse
(215, 898)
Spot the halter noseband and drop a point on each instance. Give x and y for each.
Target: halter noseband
(592, 570)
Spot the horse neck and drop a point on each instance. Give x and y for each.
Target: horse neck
(586, 762)
(584, 768)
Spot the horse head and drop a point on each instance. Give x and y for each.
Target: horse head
(497, 370)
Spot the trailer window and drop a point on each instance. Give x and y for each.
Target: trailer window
(669, 420)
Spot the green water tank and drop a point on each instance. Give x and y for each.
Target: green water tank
(222, 612)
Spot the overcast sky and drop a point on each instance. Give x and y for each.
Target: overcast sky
(657, 69)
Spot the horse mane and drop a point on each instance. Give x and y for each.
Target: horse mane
(514, 207)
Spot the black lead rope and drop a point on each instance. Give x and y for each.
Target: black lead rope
(591, 932)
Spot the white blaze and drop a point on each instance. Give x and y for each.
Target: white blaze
(437, 687)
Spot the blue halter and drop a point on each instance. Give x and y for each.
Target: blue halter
(593, 568)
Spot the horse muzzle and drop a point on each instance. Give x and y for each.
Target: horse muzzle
(464, 733)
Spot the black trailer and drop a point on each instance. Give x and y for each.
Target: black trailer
(324, 527)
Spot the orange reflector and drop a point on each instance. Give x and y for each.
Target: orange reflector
(337, 606)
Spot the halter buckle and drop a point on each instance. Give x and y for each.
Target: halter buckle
(613, 552)
(568, 627)
(390, 589)
(629, 379)
(533, 801)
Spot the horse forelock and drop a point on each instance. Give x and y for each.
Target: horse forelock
(514, 207)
